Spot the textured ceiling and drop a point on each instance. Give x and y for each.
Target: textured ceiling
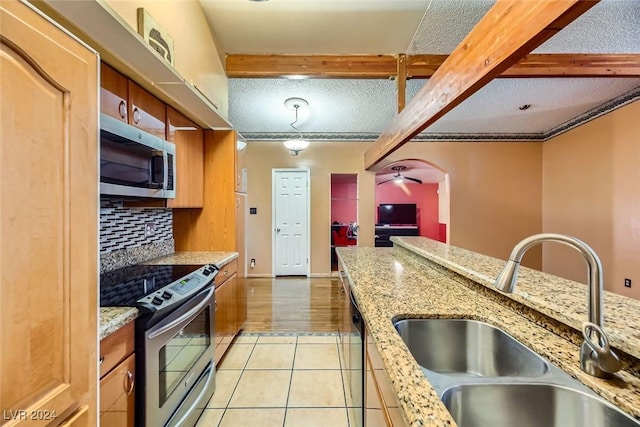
(361, 109)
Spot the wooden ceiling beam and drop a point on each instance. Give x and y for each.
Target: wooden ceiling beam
(401, 82)
(509, 31)
(423, 66)
(335, 66)
(576, 65)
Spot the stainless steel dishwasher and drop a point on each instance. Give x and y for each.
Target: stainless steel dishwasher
(356, 364)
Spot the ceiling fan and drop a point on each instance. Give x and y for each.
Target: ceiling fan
(398, 177)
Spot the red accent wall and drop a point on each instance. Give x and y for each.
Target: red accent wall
(425, 196)
(344, 206)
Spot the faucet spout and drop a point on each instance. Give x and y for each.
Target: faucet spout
(596, 358)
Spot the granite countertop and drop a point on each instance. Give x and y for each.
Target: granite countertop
(217, 258)
(388, 284)
(114, 318)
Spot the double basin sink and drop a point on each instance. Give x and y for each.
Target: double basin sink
(486, 378)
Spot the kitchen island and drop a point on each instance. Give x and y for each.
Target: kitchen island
(422, 278)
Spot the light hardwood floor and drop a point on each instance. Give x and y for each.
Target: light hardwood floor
(292, 304)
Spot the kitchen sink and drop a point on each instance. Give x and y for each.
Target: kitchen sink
(529, 405)
(486, 378)
(468, 348)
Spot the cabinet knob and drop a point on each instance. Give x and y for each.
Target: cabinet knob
(136, 115)
(129, 383)
(122, 109)
(101, 360)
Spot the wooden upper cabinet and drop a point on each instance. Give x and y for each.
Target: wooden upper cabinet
(49, 188)
(125, 100)
(146, 111)
(188, 138)
(114, 93)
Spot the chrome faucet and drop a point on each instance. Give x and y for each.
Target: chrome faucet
(596, 356)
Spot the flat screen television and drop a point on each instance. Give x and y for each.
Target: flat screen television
(397, 214)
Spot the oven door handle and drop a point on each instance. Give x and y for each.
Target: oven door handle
(181, 319)
(197, 401)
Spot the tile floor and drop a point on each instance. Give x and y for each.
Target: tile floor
(279, 380)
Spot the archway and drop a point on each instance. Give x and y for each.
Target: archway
(412, 198)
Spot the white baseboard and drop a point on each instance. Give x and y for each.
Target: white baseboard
(320, 275)
(313, 275)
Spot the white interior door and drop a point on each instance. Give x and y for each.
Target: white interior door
(290, 222)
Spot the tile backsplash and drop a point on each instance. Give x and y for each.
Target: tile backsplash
(124, 228)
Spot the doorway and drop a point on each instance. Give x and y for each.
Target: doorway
(344, 213)
(412, 199)
(291, 211)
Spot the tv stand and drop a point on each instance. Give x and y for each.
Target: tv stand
(384, 232)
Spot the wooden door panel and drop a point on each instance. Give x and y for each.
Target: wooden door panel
(146, 111)
(48, 216)
(225, 322)
(189, 140)
(226, 308)
(114, 93)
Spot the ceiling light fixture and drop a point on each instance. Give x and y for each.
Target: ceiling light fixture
(296, 145)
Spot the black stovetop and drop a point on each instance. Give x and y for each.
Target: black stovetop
(125, 286)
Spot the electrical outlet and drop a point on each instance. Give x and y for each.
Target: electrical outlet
(149, 229)
(253, 262)
(627, 283)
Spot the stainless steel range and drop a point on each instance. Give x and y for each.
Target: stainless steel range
(174, 338)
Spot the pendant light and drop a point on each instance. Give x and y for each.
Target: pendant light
(295, 145)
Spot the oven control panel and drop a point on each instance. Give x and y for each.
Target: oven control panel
(179, 290)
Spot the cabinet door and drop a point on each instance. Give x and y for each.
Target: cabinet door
(146, 111)
(225, 326)
(117, 395)
(49, 218)
(188, 138)
(114, 93)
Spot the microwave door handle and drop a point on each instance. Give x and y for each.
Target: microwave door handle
(165, 170)
(158, 178)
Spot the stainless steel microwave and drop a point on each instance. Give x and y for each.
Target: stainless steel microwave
(134, 162)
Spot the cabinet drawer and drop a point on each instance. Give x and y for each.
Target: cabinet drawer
(226, 271)
(116, 347)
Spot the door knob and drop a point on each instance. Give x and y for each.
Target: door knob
(277, 230)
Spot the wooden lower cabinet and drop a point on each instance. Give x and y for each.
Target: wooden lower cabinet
(49, 222)
(117, 378)
(117, 395)
(231, 311)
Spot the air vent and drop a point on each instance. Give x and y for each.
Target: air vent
(158, 39)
